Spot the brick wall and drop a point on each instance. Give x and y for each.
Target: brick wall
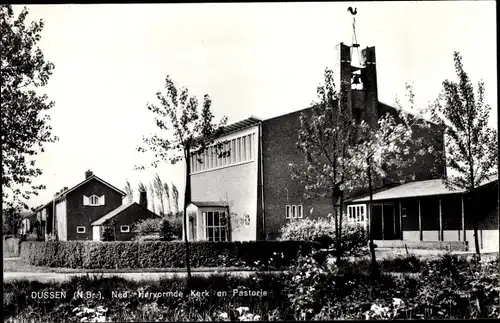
(130, 216)
(80, 215)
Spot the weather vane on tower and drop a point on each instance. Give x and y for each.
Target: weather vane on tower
(354, 38)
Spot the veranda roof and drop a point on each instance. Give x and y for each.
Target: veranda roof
(416, 189)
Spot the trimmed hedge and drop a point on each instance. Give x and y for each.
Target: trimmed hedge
(12, 245)
(162, 254)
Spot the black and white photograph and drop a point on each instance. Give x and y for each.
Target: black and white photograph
(282, 161)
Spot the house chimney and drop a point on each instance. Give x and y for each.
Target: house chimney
(65, 188)
(88, 174)
(143, 199)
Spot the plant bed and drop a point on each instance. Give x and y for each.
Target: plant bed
(447, 288)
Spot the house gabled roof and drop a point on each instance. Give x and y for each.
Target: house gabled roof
(430, 187)
(92, 177)
(117, 211)
(88, 180)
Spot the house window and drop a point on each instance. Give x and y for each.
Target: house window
(249, 147)
(294, 211)
(233, 151)
(124, 228)
(356, 213)
(215, 226)
(93, 200)
(80, 229)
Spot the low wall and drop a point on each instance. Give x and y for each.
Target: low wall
(488, 239)
(429, 245)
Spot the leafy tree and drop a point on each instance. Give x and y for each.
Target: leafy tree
(186, 131)
(159, 191)
(166, 191)
(129, 191)
(175, 195)
(471, 145)
(392, 145)
(25, 127)
(11, 217)
(324, 137)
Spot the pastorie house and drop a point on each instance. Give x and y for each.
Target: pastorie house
(254, 185)
(84, 211)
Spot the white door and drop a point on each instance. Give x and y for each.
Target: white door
(96, 233)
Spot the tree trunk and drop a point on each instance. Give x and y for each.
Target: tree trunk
(341, 214)
(475, 223)
(337, 231)
(187, 200)
(375, 269)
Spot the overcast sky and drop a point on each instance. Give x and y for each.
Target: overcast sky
(258, 59)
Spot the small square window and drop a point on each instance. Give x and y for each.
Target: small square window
(80, 229)
(124, 228)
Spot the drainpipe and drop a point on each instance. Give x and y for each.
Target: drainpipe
(54, 216)
(262, 182)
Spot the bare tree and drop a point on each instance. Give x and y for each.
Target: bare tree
(129, 191)
(175, 195)
(166, 191)
(159, 191)
(152, 194)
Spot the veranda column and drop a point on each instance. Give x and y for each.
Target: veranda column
(420, 222)
(463, 220)
(441, 235)
(394, 219)
(400, 221)
(383, 224)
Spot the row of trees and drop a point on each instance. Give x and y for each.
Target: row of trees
(162, 197)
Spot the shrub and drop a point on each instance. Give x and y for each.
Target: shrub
(354, 239)
(309, 282)
(148, 226)
(161, 254)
